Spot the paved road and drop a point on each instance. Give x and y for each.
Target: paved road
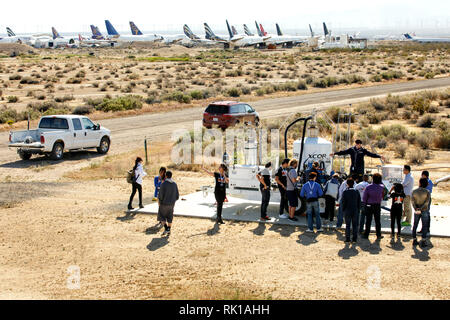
(128, 133)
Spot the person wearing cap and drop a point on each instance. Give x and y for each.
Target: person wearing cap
(357, 154)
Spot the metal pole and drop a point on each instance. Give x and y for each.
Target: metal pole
(146, 154)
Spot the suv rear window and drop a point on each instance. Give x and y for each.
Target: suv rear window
(217, 109)
(53, 123)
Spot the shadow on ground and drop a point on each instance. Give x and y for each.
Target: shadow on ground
(40, 161)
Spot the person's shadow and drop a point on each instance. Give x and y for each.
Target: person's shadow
(259, 231)
(158, 243)
(348, 251)
(307, 238)
(372, 248)
(421, 255)
(154, 229)
(214, 230)
(396, 245)
(129, 215)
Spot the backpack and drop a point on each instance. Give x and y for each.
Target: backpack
(131, 176)
(332, 189)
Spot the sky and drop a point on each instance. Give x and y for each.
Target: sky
(67, 16)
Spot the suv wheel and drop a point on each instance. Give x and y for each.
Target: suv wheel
(256, 122)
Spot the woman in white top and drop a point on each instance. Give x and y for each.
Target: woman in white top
(139, 173)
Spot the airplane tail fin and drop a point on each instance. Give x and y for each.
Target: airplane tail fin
(247, 31)
(229, 30)
(134, 29)
(209, 34)
(312, 32)
(233, 29)
(96, 34)
(258, 30)
(408, 36)
(111, 30)
(279, 30)
(264, 33)
(55, 33)
(10, 32)
(325, 29)
(188, 32)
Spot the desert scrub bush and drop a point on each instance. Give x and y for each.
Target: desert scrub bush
(74, 80)
(420, 104)
(442, 138)
(28, 80)
(130, 102)
(416, 156)
(389, 75)
(425, 139)
(234, 92)
(82, 110)
(196, 94)
(400, 149)
(12, 99)
(301, 85)
(177, 96)
(15, 77)
(8, 115)
(426, 121)
(65, 98)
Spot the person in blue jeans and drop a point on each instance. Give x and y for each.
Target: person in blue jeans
(421, 198)
(312, 191)
(426, 175)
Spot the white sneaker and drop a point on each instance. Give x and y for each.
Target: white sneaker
(284, 216)
(307, 230)
(319, 230)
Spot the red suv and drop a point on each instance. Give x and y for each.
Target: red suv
(224, 114)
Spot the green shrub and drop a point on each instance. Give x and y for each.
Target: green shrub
(8, 115)
(196, 95)
(234, 92)
(301, 85)
(130, 102)
(12, 99)
(400, 149)
(425, 139)
(426, 121)
(416, 156)
(82, 110)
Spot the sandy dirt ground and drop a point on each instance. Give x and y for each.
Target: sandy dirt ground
(50, 224)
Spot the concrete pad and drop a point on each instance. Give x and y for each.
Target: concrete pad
(197, 206)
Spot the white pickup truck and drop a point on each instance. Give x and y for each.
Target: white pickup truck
(58, 133)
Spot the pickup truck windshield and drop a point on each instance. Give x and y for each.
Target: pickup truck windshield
(53, 123)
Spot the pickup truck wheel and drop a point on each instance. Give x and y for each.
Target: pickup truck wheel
(104, 146)
(57, 151)
(24, 155)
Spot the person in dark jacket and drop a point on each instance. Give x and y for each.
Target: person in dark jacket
(398, 197)
(373, 196)
(351, 204)
(357, 154)
(263, 177)
(220, 189)
(281, 180)
(167, 196)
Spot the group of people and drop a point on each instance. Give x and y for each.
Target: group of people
(166, 193)
(359, 200)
